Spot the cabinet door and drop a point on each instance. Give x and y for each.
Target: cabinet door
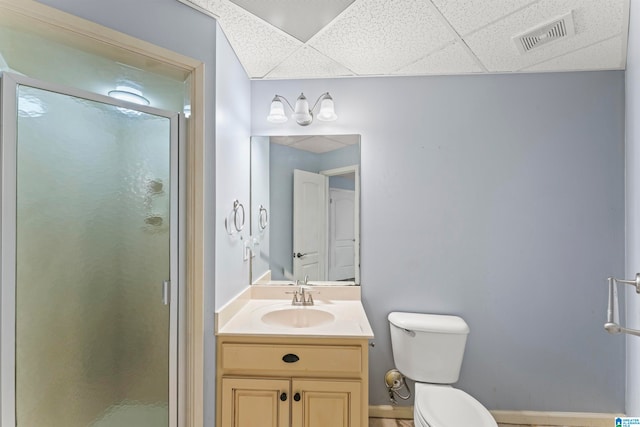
(322, 403)
(249, 402)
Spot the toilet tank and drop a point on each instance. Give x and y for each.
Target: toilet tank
(428, 347)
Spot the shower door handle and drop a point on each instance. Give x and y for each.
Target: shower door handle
(166, 292)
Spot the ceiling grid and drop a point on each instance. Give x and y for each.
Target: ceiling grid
(284, 39)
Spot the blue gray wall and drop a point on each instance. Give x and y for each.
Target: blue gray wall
(233, 98)
(633, 207)
(260, 179)
(499, 198)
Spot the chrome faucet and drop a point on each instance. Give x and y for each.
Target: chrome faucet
(302, 296)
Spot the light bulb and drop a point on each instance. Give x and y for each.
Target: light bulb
(276, 113)
(327, 112)
(301, 113)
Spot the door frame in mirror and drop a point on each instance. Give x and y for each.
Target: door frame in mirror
(355, 169)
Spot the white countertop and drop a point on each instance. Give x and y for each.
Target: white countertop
(243, 316)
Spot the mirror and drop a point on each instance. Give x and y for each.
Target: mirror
(305, 209)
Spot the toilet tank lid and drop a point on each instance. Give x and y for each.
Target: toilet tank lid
(422, 322)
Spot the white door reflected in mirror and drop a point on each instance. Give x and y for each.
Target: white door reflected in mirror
(341, 234)
(309, 222)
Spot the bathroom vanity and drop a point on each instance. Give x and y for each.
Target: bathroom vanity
(283, 365)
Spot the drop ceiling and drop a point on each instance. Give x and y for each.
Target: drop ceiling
(316, 143)
(288, 39)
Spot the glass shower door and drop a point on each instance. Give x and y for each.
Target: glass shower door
(95, 238)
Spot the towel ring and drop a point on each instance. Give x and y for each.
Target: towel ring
(238, 220)
(263, 218)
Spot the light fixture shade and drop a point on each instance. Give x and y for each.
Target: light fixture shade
(301, 113)
(327, 112)
(129, 94)
(276, 113)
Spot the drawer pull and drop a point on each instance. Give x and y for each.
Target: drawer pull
(296, 397)
(283, 397)
(290, 358)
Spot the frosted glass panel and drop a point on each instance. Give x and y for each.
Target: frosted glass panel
(92, 334)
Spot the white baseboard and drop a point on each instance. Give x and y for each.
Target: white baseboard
(536, 418)
(569, 419)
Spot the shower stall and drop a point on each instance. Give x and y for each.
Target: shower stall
(88, 317)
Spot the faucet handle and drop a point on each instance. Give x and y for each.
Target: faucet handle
(296, 294)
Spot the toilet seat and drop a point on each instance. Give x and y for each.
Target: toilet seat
(444, 406)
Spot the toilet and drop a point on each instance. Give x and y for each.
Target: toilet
(428, 348)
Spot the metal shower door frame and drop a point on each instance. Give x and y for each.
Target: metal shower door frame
(9, 84)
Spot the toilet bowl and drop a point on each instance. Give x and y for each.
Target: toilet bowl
(428, 348)
(444, 406)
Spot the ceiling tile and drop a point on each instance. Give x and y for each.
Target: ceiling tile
(412, 37)
(308, 63)
(469, 15)
(605, 55)
(594, 20)
(318, 144)
(344, 139)
(300, 18)
(378, 36)
(259, 45)
(452, 59)
(288, 139)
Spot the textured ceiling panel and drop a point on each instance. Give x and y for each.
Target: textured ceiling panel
(603, 55)
(379, 36)
(318, 144)
(312, 142)
(259, 46)
(469, 15)
(415, 37)
(299, 18)
(452, 59)
(322, 144)
(308, 63)
(594, 20)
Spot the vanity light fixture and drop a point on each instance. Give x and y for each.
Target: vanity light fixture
(129, 94)
(302, 114)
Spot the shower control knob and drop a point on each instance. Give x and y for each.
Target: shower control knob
(283, 397)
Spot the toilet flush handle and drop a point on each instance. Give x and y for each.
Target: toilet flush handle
(409, 332)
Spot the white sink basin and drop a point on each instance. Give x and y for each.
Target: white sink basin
(300, 317)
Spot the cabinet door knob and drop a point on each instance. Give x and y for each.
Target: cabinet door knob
(290, 358)
(296, 397)
(283, 397)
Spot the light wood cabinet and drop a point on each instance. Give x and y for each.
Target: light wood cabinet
(292, 382)
(251, 402)
(326, 403)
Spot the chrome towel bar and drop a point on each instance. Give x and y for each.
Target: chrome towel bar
(612, 326)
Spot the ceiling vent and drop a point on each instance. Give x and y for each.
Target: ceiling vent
(549, 32)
